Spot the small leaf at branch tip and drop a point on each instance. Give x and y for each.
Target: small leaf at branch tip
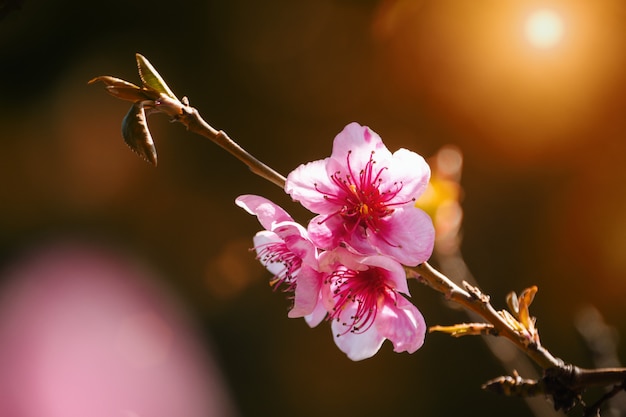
(151, 78)
(112, 81)
(121, 89)
(127, 93)
(137, 135)
(464, 329)
(513, 302)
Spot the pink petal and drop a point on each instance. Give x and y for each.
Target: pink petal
(263, 238)
(326, 233)
(360, 141)
(357, 346)
(408, 236)
(289, 229)
(412, 170)
(303, 249)
(395, 276)
(307, 185)
(341, 256)
(307, 292)
(267, 212)
(403, 324)
(317, 315)
(361, 242)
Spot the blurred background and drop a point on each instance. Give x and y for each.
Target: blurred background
(130, 291)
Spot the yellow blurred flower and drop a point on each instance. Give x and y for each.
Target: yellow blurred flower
(441, 200)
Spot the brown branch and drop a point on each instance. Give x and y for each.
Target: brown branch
(594, 409)
(563, 382)
(472, 299)
(195, 123)
(584, 378)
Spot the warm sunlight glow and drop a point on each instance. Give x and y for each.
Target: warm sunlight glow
(530, 79)
(544, 29)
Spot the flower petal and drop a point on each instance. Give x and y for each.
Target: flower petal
(357, 346)
(408, 236)
(260, 240)
(329, 260)
(326, 232)
(317, 315)
(289, 229)
(395, 276)
(307, 292)
(358, 141)
(412, 171)
(266, 211)
(307, 185)
(403, 324)
(303, 248)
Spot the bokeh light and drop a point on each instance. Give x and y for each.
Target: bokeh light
(544, 28)
(522, 81)
(86, 331)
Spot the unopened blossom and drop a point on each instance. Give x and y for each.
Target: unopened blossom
(364, 299)
(286, 251)
(364, 197)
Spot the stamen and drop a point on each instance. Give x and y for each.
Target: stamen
(277, 252)
(361, 202)
(366, 289)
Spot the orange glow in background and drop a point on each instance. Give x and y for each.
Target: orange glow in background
(528, 87)
(544, 28)
(522, 80)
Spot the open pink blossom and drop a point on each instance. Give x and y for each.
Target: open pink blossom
(364, 197)
(365, 301)
(286, 251)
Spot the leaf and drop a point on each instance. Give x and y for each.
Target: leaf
(526, 298)
(151, 78)
(128, 93)
(137, 135)
(121, 89)
(513, 302)
(112, 81)
(464, 329)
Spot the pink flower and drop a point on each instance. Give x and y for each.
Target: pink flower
(364, 197)
(363, 295)
(286, 251)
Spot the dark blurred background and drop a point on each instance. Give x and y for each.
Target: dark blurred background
(537, 115)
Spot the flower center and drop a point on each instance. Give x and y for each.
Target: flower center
(365, 288)
(278, 253)
(363, 203)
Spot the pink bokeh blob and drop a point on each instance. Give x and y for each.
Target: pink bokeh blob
(87, 332)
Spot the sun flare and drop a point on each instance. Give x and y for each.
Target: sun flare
(544, 29)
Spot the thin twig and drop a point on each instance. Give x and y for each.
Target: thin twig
(594, 409)
(195, 123)
(472, 299)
